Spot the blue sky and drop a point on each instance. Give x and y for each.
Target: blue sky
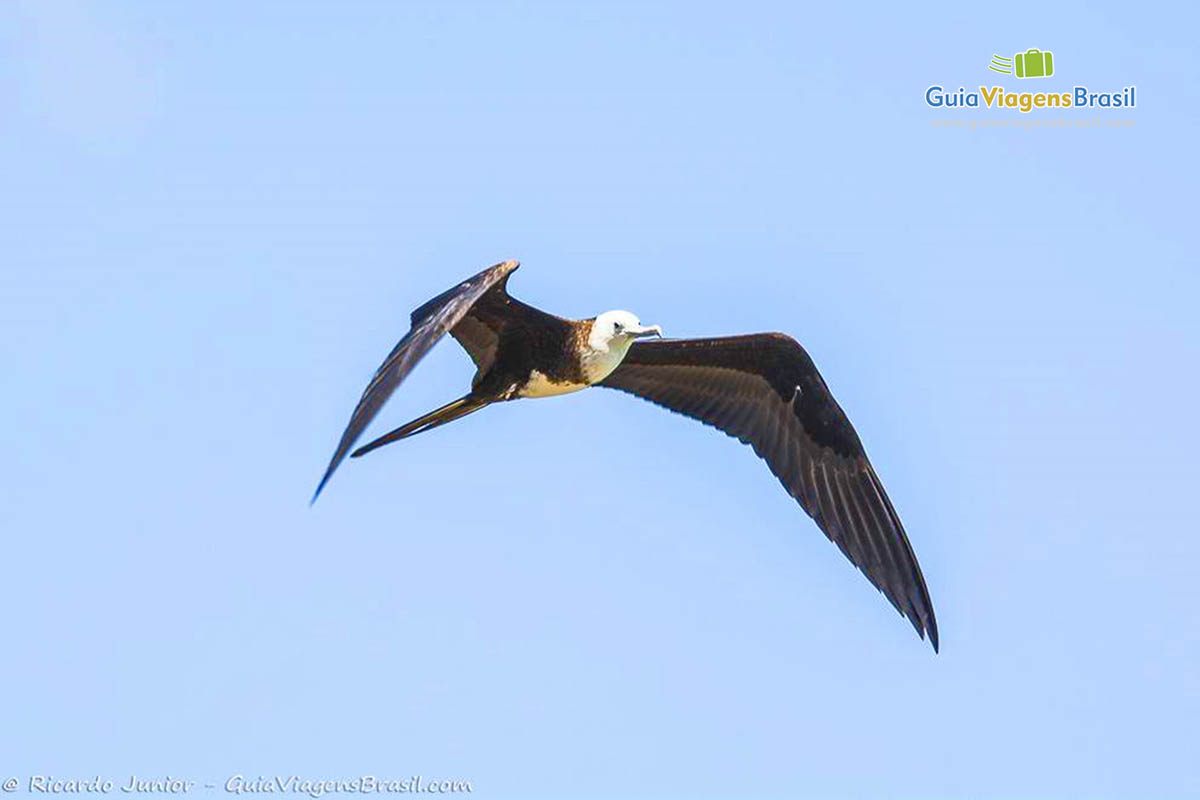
(217, 216)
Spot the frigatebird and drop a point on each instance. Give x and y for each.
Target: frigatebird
(762, 389)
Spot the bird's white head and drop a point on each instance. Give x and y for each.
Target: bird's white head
(617, 330)
(609, 340)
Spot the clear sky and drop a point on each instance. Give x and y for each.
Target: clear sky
(216, 217)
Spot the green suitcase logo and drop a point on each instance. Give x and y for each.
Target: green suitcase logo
(1034, 63)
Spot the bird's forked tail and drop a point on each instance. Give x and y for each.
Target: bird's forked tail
(447, 413)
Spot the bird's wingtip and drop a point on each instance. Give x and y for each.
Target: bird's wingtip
(926, 628)
(925, 624)
(320, 486)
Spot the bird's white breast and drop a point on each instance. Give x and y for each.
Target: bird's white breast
(599, 364)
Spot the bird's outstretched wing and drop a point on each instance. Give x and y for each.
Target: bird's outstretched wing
(764, 390)
(487, 321)
(429, 323)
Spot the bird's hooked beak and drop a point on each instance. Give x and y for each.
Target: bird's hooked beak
(644, 331)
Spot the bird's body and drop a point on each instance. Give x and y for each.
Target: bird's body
(761, 388)
(520, 351)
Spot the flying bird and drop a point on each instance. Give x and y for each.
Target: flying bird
(762, 389)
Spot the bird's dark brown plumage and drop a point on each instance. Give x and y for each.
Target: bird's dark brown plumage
(764, 390)
(430, 322)
(504, 337)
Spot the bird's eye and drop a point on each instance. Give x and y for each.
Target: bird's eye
(618, 327)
